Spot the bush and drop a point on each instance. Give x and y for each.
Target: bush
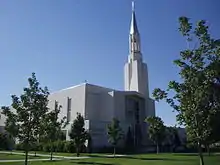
(19, 146)
(46, 147)
(5, 142)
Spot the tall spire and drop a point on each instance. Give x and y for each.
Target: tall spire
(133, 28)
(134, 39)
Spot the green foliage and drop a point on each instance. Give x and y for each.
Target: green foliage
(78, 134)
(30, 109)
(5, 141)
(114, 132)
(129, 139)
(156, 130)
(197, 96)
(173, 137)
(52, 127)
(11, 125)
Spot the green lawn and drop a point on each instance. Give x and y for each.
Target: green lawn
(147, 159)
(12, 157)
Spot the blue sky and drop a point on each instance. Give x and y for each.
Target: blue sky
(67, 42)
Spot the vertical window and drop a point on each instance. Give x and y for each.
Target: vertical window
(137, 112)
(68, 109)
(55, 104)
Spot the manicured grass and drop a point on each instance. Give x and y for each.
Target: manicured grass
(147, 159)
(12, 157)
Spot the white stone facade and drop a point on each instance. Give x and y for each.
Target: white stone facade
(99, 105)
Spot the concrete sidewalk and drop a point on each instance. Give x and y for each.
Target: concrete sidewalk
(45, 155)
(29, 160)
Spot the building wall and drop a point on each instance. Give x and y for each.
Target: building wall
(77, 95)
(2, 119)
(119, 106)
(150, 110)
(99, 103)
(136, 77)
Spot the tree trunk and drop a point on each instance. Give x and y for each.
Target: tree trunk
(157, 148)
(51, 155)
(26, 157)
(51, 151)
(77, 151)
(201, 160)
(114, 151)
(208, 150)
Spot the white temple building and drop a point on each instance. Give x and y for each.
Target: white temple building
(99, 105)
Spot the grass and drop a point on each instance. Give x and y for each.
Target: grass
(150, 159)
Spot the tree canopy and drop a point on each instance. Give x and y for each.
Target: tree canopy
(78, 134)
(196, 97)
(114, 133)
(156, 130)
(30, 108)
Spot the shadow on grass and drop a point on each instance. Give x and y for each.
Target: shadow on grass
(140, 158)
(95, 163)
(187, 154)
(154, 159)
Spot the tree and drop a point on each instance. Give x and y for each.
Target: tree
(11, 125)
(196, 97)
(214, 135)
(156, 130)
(78, 134)
(4, 141)
(129, 139)
(115, 133)
(30, 109)
(53, 127)
(173, 137)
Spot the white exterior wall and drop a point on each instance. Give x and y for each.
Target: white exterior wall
(136, 77)
(99, 103)
(99, 111)
(77, 95)
(2, 119)
(119, 110)
(150, 111)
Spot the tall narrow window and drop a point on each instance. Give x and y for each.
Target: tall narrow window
(68, 109)
(56, 104)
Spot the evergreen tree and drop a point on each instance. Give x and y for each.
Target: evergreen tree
(53, 127)
(114, 133)
(78, 134)
(11, 125)
(173, 137)
(156, 130)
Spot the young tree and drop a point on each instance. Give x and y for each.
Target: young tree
(53, 127)
(173, 137)
(115, 133)
(156, 130)
(196, 97)
(129, 139)
(11, 125)
(29, 108)
(4, 141)
(78, 134)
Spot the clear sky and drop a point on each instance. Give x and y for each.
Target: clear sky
(68, 42)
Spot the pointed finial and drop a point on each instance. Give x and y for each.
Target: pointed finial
(132, 3)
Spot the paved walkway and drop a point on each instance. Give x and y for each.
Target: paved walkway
(29, 160)
(55, 157)
(45, 155)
